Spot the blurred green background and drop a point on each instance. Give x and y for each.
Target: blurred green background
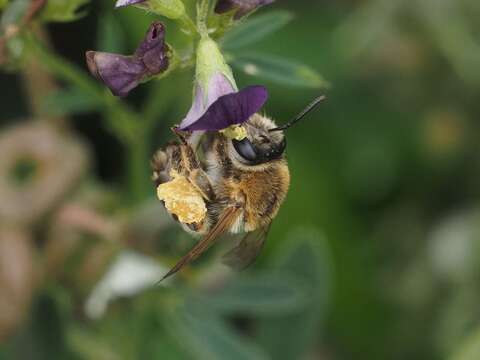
(374, 255)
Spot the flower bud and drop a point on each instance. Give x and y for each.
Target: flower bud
(172, 9)
(240, 7)
(122, 73)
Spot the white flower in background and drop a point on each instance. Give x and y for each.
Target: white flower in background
(129, 274)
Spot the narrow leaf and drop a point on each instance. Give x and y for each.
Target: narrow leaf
(470, 349)
(64, 11)
(306, 258)
(267, 294)
(206, 337)
(279, 70)
(255, 29)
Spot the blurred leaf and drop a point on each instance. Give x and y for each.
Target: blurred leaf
(14, 12)
(267, 294)
(90, 346)
(305, 258)
(63, 10)
(3, 3)
(206, 337)
(470, 349)
(72, 101)
(110, 34)
(279, 70)
(255, 29)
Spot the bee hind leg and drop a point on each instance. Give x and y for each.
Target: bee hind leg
(182, 159)
(160, 167)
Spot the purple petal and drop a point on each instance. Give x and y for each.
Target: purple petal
(196, 110)
(121, 3)
(153, 50)
(123, 73)
(231, 109)
(120, 73)
(218, 86)
(243, 6)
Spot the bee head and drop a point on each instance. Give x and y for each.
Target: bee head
(265, 141)
(260, 146)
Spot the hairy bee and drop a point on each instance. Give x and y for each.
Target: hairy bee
(243, 184)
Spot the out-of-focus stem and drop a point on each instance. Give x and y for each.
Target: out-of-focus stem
(124, 123)
(38, 83)
(138, 175)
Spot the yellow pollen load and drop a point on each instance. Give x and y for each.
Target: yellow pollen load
(182, 199)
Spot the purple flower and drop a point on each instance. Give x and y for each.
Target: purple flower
(230, 109)
(121, 3)
(123, 73)
(217, 103)
(172, 9)
(243, 7)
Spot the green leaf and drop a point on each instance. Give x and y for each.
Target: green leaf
(259, 294)
(206, 337)
(3, 3)
(89, 345)
(63, 10)
(14, 13)
(305, 256)
(67, 102)
(279, 70)
(470, 349)
(255, 29)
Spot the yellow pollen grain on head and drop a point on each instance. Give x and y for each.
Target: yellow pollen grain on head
(236, 132)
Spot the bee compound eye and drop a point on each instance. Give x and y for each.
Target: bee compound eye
(245, 149)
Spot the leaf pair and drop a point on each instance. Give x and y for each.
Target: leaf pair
(276, 69)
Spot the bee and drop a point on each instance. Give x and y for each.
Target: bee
(243, 184)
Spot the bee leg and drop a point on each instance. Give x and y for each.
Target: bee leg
(160, 165)
(182, 159)
(195, 174)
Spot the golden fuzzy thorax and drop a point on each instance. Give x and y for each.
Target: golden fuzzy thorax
(227, 179)
(260, 188)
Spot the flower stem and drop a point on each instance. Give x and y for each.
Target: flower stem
(138, 176)
(187, 24)
(122, 121)
(202, 17)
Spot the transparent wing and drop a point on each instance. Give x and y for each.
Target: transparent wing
(226, 220)
(245, 253)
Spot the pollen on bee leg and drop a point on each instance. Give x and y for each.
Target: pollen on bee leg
(182, 199)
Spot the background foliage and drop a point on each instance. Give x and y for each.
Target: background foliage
(374, 255)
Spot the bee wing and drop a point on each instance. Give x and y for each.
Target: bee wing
(227, 218)
(245, 253)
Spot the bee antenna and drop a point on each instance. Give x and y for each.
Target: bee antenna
(302, 114)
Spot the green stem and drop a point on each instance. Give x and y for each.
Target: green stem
(202, 17)
(125, 124)
(187, 24)
(122, 121)
(138, 175)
